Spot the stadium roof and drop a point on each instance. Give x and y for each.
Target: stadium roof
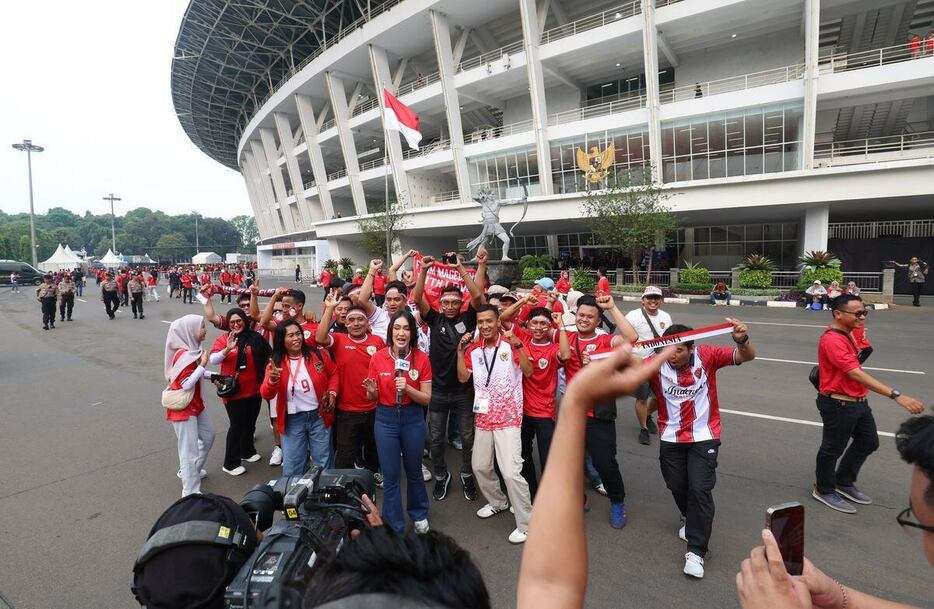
(230, 55)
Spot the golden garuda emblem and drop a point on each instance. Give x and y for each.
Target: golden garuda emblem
(596, 165)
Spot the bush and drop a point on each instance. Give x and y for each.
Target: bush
(825, 274)
(694, 274)
(543, 262)
(330, 264)
(345, 272)
(527, 261)
(755, 278)
(582, 281)
(684, 287)
(757, 262)
(531, 273)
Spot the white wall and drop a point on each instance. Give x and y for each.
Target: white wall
(517, 109)
(743, 57)
(422, 186)
(557, 99)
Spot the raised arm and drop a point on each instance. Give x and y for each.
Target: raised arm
(322, 336)
(624, 329)
(476, 292)
(745, 352)
(564, 345)
(266, 317)
(254, 300)
(463, 374)
(482, 257)
(512, 310)
(392, 273)
(525, 364)
(366, 290)
(209, 313)
(418, 292)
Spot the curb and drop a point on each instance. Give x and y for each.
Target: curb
(789, 304)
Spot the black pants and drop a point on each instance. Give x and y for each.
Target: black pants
(242, 415)
(353, 431)
(188, 295)
(690, 473)
(111, 303)
(916, 288)
(540, 429)
(136, 301)
(66, 306)
(48, 310)
(380, 299)
(601, 446)
(445, 404)
(842, 421)
(125, 298)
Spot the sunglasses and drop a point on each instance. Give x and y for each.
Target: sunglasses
(904, 517)
(861, 313)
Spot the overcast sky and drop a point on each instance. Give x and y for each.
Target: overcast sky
(89, 81)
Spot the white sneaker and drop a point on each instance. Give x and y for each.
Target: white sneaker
(693, 565)
(518, 536)
(276, 457)
(601, 489)
(682, 532)
(253, 459)
(203, 474)
(421, 527)
(426, 474)
(237, 471)
(488, 510)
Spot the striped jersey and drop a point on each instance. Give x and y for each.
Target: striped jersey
(688, 410)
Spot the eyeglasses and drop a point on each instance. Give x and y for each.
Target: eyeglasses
(862, 313)
(904, 519)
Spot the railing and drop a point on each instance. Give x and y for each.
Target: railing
(613, 107)
(612, 15)
(373, 164)
(340, 173)
(450, 195)
(661, 3)
(866, 282)
(328, 124)
(785, 279)
(733, 83)
(876, 149)
(428, 148)
(419, 82)
(310, 184)
(475, 62)
(873, 230)
(844, 62)
(489, 133)
(362, 107)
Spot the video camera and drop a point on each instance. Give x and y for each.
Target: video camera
(321, 508)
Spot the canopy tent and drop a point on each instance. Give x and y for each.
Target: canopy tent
(206, 258)
(111, 260)
(79, 255)
(62, 259)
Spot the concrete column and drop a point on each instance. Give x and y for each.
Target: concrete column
(811, 74)
(650, 57)
(257, 158)
(531, 39)
(441, 31)
(278, 183)
(338, 95)
(284, 128)
(552, 242)
(256, 203)
(306, 116)
(260, 187)
(816, 228)
(674, 276)
(888, 285)
(382, 79)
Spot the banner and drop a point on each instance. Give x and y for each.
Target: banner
(223, 289)
(645, 347)
(440, 276)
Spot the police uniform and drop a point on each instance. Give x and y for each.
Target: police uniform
(135, 289)
(66, 298)
(109, 296)
(46, 294)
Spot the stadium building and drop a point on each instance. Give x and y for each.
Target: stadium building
(778, 126)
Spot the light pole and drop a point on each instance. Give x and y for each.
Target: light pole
(28, 147)
(197, 242)
(113, 231)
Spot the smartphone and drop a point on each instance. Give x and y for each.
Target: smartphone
(786, 521)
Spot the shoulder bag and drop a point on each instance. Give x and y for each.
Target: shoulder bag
(814, 374)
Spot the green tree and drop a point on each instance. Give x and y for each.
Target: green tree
(249, 234)
(630, 214)
(373, 229)
(173, 246)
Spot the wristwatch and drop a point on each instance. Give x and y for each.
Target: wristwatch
(894, 395)
(742, 342)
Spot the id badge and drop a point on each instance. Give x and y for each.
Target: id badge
(481, 403)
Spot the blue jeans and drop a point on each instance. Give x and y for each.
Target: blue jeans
(715, 296)
(304, 433)
(401, 429)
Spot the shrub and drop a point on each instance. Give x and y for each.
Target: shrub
(527, 261)
(692, 273)
(817, 259)
(582, 281)
(531, 273)
(825, 274)
(345, 272)
(757, 262)
(755, 278)
(330, 264)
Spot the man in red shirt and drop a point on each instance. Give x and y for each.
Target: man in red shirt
(205, 278)
(356, 415)
(603, 284)
(324, 280)
(914, 45)
(188, 292)
(357, 277)
(293, 307)
(543, 294)
(689, 432)
(845, 410)
(225, 278)
(379, 287)
(236, 278)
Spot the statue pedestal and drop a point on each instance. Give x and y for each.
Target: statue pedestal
(503, 272)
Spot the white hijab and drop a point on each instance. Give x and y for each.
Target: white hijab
(183, 334)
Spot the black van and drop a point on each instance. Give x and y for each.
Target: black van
(27, 274)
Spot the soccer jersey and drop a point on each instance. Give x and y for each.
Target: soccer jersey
(352, 357)
(538, 390)
(580, 347)
(383, 369)
(300, 392)
(497, 379)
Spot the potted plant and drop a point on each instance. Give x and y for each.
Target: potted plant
(818, 264)
(755, 271)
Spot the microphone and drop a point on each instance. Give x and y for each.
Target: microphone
(402, 366)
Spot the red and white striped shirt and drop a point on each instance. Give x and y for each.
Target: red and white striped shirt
(688, 409)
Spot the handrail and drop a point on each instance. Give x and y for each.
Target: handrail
(591, 22)
(363, 107)
(844, 61)
(436, 146)
(340, 173)
(733, 83)
(490, 133)
(661, 3)
(374, 163)
(328, 124)
(419, 82)
(875, 145)
(450, 195)
(479, 60)
(579, 114)
(310, 184)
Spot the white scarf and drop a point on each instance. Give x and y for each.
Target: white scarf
(183, 334)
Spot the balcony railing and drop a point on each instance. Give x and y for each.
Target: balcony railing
(876, 149)
(612, 15)
(886, 228)
(489, 133)
(842, 61)
(340, 173)
(733, 83)
(362, 107)
(328, 124)
(612, 107)
(310, 184)
(373, 164)
(441, 197)
(419, 82)
(661, 3)
(430, 147)
(491, 56)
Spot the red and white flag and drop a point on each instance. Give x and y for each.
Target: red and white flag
(401, 118)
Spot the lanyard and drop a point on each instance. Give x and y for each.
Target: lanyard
(293, 372)
(490, 364)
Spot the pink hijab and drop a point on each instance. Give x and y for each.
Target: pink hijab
(183, 334)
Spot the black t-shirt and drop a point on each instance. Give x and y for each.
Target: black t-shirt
(445, 336)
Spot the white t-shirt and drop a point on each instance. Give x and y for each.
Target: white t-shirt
(661, 321)
(301, 391)
(379, 322)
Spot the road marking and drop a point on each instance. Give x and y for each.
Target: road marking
(80, 299)
(756, 415)
(165, 322)
(96, 403)
(773, 323)
(795, 361)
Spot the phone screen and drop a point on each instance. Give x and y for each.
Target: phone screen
(787, 525)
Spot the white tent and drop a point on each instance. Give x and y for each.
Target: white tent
(206, 258)
(61, 259)
(111, 260)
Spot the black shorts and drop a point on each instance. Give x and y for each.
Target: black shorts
(643, 392)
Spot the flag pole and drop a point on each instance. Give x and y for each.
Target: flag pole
(387, 205)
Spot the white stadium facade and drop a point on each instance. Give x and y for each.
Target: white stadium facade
(779, 126)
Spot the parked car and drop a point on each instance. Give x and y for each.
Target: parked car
(27, 273)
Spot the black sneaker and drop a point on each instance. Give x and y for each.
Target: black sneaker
(470, 487)
(644, 437)
(45, 327)
(650, 425)
(441, 487)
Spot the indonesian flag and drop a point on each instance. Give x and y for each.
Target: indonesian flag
(401, 118)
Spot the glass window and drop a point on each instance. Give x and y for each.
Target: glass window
(735, 233)
(753, 232)
(717, 234)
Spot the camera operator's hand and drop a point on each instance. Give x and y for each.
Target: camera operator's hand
(373, 517)
(764, 583)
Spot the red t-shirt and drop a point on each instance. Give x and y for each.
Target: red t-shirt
(325, 279)
(225, 278)
(539, 300)
(353, 364)
(186, 280)
(205, 279)
(603, 287)
(379, 284)
(357, 281)
(538, 390)
(248, 379)
(837, 355)
(579, 347)
(563, 286)
(150, 280)
(383, 369)
(237, 279)
(196, 405)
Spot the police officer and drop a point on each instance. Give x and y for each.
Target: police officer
(78, 275)
(66, 296)
(109, 294)
(135, 288)
(46, 294)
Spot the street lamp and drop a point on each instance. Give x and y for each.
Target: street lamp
(197, 242)
(28, 147)
(113, 231)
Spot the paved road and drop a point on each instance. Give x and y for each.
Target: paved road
(89, 463)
